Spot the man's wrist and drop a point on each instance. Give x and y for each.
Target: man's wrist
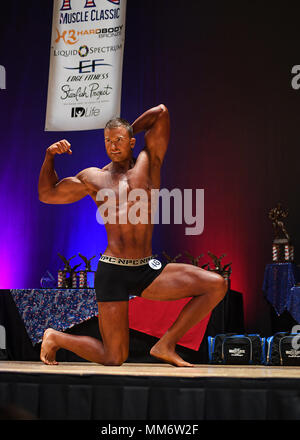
(49, 154)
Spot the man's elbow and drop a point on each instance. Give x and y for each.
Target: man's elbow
(41, 196)
(44, 197)
(163, 108)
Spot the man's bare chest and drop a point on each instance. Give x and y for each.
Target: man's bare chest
(118, 185)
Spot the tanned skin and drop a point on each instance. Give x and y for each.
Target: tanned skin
(176, 281)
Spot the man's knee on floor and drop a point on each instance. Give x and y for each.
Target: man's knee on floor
(116, 359)
(113, 363)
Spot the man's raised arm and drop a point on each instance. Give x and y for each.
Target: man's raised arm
(55, 191)
(156, 123)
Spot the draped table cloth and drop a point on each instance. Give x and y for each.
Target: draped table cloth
(56, 308)
(64, 308)
(293, 303)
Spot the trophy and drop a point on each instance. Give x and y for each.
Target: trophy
(170, 259)
(65, 282)
(194, 260)
(225, 270)
(282, 249)
(83, 283)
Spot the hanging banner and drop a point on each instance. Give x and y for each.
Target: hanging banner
(86, 59)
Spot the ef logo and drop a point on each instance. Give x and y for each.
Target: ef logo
(296, 338)
(2, 338)
(91, 66)
(2, 78)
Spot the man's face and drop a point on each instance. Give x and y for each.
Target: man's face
(118, 144)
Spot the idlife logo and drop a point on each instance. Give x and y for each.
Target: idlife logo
(80, 112)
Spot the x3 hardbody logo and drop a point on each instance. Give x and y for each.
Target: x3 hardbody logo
(66, 6)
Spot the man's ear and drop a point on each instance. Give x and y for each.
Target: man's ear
(132, 143)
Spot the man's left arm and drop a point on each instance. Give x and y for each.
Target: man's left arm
(156, 123)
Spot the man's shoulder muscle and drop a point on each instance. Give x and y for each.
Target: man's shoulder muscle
(88, 172)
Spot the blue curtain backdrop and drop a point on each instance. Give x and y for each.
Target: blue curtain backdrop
(224, 71)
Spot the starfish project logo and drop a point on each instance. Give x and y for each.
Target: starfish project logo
(139, 206)
(2, 78)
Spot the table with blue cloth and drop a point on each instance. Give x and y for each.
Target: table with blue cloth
(60, 309)
(280, 289)
(293, 303)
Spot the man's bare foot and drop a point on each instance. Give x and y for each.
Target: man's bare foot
(48, 347)
(169, 355)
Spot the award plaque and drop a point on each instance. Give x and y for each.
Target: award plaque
(83, 284)
(74, 280)
(63, 281)
(83, 274)
(282, 248)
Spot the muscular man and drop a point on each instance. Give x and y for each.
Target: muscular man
(124, 269)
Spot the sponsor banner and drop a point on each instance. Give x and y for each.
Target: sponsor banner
(86, 60)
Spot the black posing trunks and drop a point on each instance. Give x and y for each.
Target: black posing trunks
(117, 279)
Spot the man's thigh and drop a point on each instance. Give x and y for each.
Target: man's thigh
(114, 326)
(179, 280)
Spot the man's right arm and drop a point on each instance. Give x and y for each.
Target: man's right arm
(55, 191)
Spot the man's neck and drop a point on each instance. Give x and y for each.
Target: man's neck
(121, 167)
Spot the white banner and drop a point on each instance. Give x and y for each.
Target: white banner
(86, 59)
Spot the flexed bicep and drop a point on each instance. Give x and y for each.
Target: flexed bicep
(67, 190)
(53, 190)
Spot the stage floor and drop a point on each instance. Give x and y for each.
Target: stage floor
(153, 370)
(151, 391)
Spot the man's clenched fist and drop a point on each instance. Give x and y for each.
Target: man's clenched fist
(60, 148)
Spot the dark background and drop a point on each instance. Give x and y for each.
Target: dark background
(224, 71)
